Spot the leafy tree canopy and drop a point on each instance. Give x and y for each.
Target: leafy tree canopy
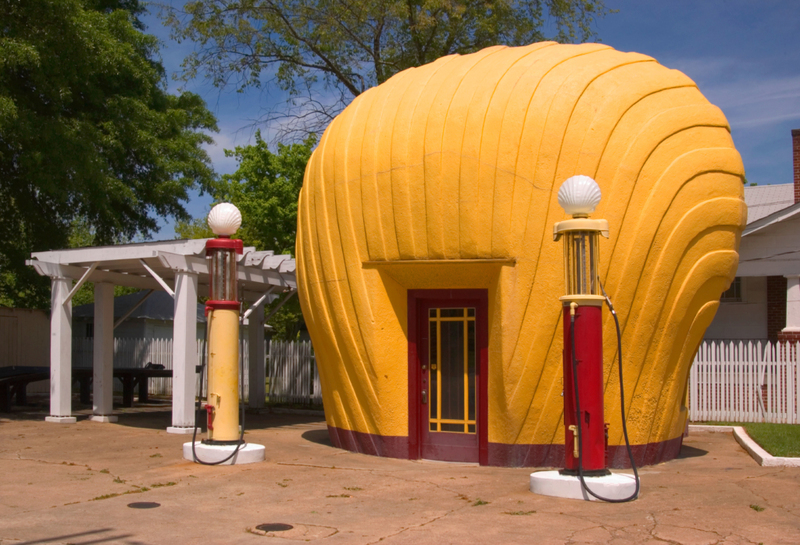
(266, 187)
(87, 131)
(327, 52)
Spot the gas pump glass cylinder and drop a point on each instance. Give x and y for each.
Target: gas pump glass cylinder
(581, 255)
(223, 274)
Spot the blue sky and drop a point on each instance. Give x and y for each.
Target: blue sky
(744, 56)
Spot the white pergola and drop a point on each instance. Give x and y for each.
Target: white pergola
(178, 267)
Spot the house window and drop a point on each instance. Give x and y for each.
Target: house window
(90, 330)
(734, 293)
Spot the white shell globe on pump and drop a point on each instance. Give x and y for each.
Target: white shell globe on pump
(224, 219)
(579, 196)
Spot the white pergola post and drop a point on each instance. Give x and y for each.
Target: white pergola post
(792, 304)
(103, 376)
(60, 351)
(257, 365)
(184, 353)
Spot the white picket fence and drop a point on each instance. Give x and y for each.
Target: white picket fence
(136, 353)
(291, 369)
(293, 376)
(745, 382)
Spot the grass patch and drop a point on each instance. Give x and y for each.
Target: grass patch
(118, 480)
(518, 512)
(777, 439)
(159, 485)
(109, 496)
(353, 488)
(479, 501)
(756, 508)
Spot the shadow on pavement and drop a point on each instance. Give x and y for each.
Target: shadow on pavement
(161, 418)
(321, 437)
(691, 452)
(90, 533)
(154, 415)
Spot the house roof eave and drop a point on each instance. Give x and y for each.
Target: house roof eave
(775, 217)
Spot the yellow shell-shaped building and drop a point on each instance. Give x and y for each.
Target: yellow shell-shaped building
(427, 271)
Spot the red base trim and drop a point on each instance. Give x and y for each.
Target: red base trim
(553, 455)
(504, 455)
(388, 446)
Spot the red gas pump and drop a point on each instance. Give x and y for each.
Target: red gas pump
(585, 474)
(585, 433)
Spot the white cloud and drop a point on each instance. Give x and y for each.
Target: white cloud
(749, 97)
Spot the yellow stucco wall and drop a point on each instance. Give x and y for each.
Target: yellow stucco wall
(457, 163)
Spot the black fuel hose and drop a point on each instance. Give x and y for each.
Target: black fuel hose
(621, 406)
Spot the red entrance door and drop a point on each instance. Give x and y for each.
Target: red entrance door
(448, 337)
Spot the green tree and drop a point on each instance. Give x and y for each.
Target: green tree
(325, 53)
(193, 228)
(88, 131)
(266, 187)
(82, 235)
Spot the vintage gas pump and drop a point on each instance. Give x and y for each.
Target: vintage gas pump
(585, 474)
(583, 327)
(222, 312)
(225, 443)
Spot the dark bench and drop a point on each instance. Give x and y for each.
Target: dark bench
(15, 379)
(130, 377)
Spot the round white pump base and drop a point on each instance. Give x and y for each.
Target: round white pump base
(616, 486)
(249, 453)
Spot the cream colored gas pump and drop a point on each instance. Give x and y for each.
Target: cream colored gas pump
(225, 443)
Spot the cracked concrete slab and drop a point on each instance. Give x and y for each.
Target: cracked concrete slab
(73, 484)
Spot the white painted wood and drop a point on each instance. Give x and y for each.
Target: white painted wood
(60, 348)
(257, 372)
(792, 303)
(291, 366)
(125, 251)
(184, 347)
(772, 250)
(245, 275)
(103, 375)
(158, 278)
(45, 268)
(81, 282)
(745, 382)
(293, 373)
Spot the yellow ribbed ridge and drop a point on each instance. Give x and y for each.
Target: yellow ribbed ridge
(456, 166)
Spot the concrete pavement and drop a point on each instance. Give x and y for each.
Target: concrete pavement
(74, 483)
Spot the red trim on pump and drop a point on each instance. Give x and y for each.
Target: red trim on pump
(589, 363)
(222, 305)
(234, 244)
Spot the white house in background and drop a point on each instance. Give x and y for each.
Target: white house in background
(763, 302)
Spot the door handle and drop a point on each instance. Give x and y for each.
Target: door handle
(424, 396)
